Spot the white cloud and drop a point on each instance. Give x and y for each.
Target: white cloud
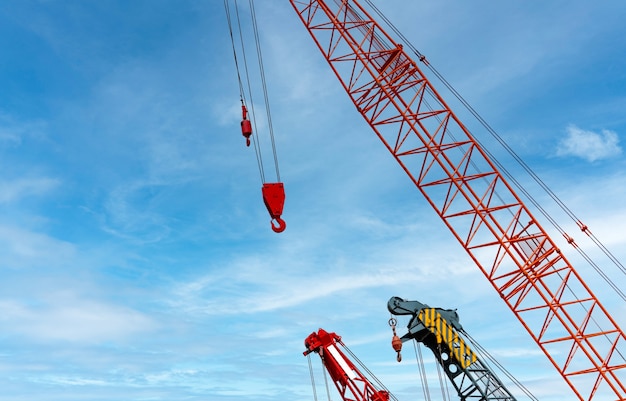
(12, 131)
(265, 290)
(72, 319)
(130, 213)
(21, 248)
(589, 145)
(11, 191)
(9, 136)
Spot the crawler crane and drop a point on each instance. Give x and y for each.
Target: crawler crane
(347, 378)
(439, 330)
(481, 209)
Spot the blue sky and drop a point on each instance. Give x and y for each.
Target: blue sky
(137, 258)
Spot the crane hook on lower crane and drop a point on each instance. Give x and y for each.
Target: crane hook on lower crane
(274, 199)
(396, 342)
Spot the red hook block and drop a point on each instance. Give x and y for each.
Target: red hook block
(274, 198)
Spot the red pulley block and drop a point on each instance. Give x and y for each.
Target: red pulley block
(246, 125)
(274, 198)
(396, 342)
(246, 130)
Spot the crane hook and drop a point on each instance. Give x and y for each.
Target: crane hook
(281, 225)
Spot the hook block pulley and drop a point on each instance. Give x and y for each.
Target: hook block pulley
(274, 198)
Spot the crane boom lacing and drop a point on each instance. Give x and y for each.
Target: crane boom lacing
(584, 228)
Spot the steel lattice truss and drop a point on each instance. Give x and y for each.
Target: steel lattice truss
(471, 196)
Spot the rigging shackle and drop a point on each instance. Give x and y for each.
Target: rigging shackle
(274, 199)
(246, 125)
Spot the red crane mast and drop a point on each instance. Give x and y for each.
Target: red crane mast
(481, 209)
(349, 381)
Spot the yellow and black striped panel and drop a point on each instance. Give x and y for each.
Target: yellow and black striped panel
(445, 333)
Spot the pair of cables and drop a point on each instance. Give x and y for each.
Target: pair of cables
(273, 192)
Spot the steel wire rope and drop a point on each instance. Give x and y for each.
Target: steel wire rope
(524, 165)
(371, 375)
(508, 374)
(232, 40)
(325, 373)
(308, 357)
(257, 145)
(264, 86)
(442, 383)
(422, 370)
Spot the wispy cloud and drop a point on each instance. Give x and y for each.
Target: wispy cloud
(15, 190)
(589, 145)
(267, 284)
(23, 248)
(72, 319)
(272, 292)
(13, 131)
(128, 213)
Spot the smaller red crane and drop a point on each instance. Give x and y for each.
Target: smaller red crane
(350, 382)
